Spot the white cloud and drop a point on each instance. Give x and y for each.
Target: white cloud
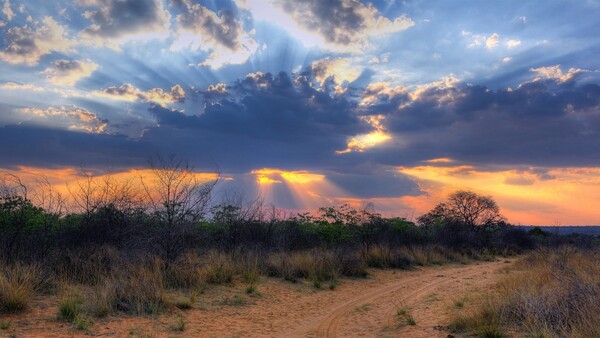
(127, 92)
(19, 86)
(555, 73)
(221, 34)
(73, 117)
(63, 72)
(377, 91)
(512, 43)
(521, 19)
(29, 44)
(7, 10)
(340, 70)
(507, 59)
(492, 41)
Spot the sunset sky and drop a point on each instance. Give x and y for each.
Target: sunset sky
(310, 103)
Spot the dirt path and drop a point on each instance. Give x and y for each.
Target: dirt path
(356, 308)
(400, 296)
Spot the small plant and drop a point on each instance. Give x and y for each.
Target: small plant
(460, 324)
(362, 308)
(459, 303)
(237, 300)
(404, 316)
(251, 290)
(251, 275)
(5, 325)
(332, 284)
(82, 323)
(179, 325)
(183, 304)
(317, 283)
(492, 332)
(70, 308)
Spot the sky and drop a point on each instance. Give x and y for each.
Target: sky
(310, 103)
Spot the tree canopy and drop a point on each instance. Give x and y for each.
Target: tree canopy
(466, 207)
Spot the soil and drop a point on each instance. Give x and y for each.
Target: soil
(389, 303)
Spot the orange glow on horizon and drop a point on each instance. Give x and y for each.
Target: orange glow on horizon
(551, 196)
(563, 196)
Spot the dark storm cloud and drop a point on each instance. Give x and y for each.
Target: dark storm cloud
(337, 20)
(376, 184)
(342, 22)
(264, 120)
(543, 122)
(118, 18)
(45, 147)
(224, 27)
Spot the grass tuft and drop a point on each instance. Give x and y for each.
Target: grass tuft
(17, 285)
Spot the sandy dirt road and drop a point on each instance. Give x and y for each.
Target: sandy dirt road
(356, 308)
(426, 296)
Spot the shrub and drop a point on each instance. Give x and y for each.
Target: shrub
(553, 293)
(220, 269)
(18, 282)
(140, 288)
(70, 306)
(103, 298)
(185, 272)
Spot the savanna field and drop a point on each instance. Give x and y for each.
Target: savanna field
(165, 262)
(300, 168)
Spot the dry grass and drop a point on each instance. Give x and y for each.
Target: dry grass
(316, 265)
(140, 289)
(549, 294)
(18, 284)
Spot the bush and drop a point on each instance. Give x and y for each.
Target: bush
(140, 288)
(553, 293)
(18, 283)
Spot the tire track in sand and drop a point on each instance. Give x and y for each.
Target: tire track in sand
(328, 327)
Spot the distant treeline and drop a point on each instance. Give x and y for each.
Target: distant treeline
(171, 213)
(593, 230)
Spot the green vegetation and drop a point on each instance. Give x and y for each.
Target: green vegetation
(127, 247)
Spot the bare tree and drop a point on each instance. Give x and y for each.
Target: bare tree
(92, 193)
(176, 193)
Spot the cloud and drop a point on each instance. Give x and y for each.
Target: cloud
(221, 34)
(512, 43)
(555, 73)
(118, 21)
(48, 147)
(479, 125)
(64, 72)
(7, 10)
(19, 86)
(339, 69)
(127, 92)
(377, 137)
(278, 120)
(492, 41)
(342, 25)
(75, 118)
(29, 44)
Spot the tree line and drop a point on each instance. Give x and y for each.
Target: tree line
(170, 212)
